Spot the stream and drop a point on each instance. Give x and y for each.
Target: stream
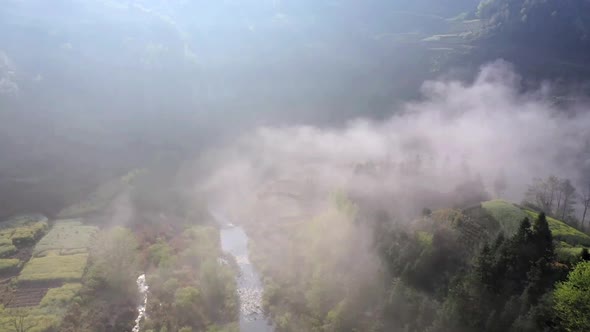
(142, 287)
(235, 242)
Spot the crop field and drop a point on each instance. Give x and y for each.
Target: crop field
(507, 214)
(67, 237)
(49, 281)
(54, 268)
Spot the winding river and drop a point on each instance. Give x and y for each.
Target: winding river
(235, 242)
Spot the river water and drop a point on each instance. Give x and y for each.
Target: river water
(235, 242)
(142, 287)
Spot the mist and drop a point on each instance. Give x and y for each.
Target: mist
(293, 165)
(457, 132)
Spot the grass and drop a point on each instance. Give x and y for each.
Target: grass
(507, 214)
(61, 296)
(65, 238)
(9, 264)
(54, 268)
(563, 232)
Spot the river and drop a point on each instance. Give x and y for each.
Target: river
(235, 242)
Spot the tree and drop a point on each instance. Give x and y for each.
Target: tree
(585, 200)
(115, 260)
(19, 321)
(539, 194)
(572, 303)
(543, 238)
(569, 195)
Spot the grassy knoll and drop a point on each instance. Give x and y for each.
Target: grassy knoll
(563, 232)
(54, 268)
(67, 237)
(507, 214)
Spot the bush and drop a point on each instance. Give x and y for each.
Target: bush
(61, 296)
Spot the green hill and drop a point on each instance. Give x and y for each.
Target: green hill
(570, 241)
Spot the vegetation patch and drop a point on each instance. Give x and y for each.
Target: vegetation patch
(67, 237)
(507, 214)
(21, 231)
(54, 268)
(563, 232)
(61, 296)
(8, 265)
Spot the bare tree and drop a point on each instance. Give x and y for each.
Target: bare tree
(569, 196)
(19, 321)
(539, 193)
(585, 200)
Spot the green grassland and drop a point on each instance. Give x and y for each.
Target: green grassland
(67, 237)
(54, 268)
(507, 214)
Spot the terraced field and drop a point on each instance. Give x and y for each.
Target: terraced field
(67, 237)
(48, 282)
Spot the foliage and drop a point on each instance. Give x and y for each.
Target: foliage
(21, 231)
(115, 260)
(7, 250)
(507, 214)
(9, 264)
(54, 268)
(189, 285)
(60, 297)
(66, 237)
(572, 302)
(563, 232)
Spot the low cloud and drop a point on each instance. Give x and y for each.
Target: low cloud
(458, 132)
(8, 85)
